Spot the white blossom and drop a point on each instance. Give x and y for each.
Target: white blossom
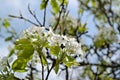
(71, 46)
(107, 34)
(55, 39)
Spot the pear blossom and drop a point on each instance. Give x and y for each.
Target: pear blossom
(54, 39)
(108, 34)
(71, 46)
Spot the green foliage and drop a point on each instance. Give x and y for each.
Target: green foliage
(106, 36)
(93, 3)
(56, 68)
(54, 3)
(55, 6)
(43, 5)
(54, 50)
(25, 53)
(82, 29)
(6, 23)
(7, 77)
(44, 60)
(70, 61)
(19, 65)
(9, 38)
(69, 26)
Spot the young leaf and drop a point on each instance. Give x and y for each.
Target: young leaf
(69, 61)
(65, 1)
(54, 50)
(43, 5)
(44, 60)
(55, 6)
(82, 29)
(23, 41)
(11, 52)
(26, 53)
(19, 65)
(6, 23)
(56, 68)
(9, 38)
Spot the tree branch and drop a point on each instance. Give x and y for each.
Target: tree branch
(34, 15)
(21, 17)
(53, 64)
(60, 13)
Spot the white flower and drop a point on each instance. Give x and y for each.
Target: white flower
(73, 46)
(107, 34)
(55, 39)
(35, 30)
(70, 45)
(79, 50)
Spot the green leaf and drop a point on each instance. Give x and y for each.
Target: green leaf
(19, 65)
(9, 38)
(56, 68)
(71, 32)
(81, 10)
(70, 61)
(94, 3)
(23, 41)
(99, 43)
(54, 50)
(82, 29)
(65, 1)
(6, 23)
(26, 53)
(43, 5)
(11, 52)
(61, 56)
(44, 60)
(55, 6)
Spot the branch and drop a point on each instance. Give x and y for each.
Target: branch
(104, 12)
(67, 73)
(44, 18)
(53, 64)
(21, 17)
(101, 65)
(60, 12)
(34, 15)
(42, 67)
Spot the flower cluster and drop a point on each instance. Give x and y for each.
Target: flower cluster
(68, 44)
(105, 36)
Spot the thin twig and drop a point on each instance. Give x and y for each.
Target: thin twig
(44, 18)
(34, 15)
(50, 70)
(21, 17)
(60, 13)
(42, 67)
(101, 65)
(67, 73)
